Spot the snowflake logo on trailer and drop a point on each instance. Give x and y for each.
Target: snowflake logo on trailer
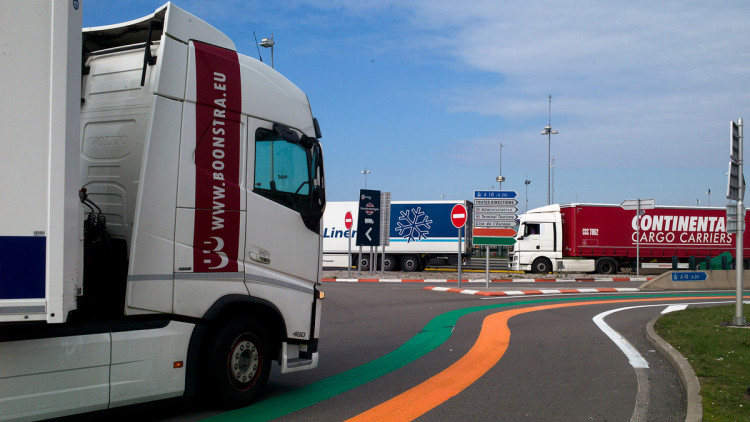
(416, 225)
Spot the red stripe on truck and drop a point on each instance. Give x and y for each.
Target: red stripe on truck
(217, 160)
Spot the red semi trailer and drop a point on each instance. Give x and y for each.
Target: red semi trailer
(603, 238)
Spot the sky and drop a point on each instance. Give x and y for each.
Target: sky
(423, 93)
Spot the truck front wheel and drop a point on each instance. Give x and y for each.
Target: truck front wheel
(541, 266)
(239, 363)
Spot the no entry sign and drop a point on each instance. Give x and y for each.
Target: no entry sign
(348, 220)
(458, 216)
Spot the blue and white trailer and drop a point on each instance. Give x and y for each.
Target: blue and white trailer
(420, 234)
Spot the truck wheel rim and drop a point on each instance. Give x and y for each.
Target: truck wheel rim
(243, 363)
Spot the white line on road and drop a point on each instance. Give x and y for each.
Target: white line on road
(635, 358)
(674, 308)
(639, 364)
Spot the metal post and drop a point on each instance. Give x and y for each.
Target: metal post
(359, 261)
(382, 259)
(487, 257)
(638, 240)
(739, 318)
(553, 179)
(459, 257)
(549, 132)
(349, 260)
(549, 164)
(372, 263)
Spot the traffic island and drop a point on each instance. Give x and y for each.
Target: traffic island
(697, 280)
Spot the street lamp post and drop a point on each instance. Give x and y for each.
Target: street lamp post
(365, 172)
(527, 182)
(549, 132)
(266, 43)
(500, 179)
(553, 179)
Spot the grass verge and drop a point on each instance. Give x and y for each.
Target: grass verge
(719, 355)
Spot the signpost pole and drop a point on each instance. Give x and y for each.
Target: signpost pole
(739, 318)
(487, 266)
(459, 257)
(349, 256)
(359, 261)
(638, 240)
(348, 223)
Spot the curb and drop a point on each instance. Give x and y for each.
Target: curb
(688, 379)
(532, 292)
(463, 280)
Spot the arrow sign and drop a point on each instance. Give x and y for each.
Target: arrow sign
(493, 217)
(494, 223)
(503, 202)
(632, 204)
(503, 210)
(367, 233)
(458, 216)
(494, 232)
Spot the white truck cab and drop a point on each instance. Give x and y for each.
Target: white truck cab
(160, 225)
(538, 241)
(540, 244)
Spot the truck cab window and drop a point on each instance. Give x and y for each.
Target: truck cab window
(288, 170)
(281, 171)
(531, 228)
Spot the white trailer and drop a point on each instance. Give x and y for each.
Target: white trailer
(421, 234)
(160, 222)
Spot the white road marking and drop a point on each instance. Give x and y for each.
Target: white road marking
(674, 308)
(639, 364)
(635, 358)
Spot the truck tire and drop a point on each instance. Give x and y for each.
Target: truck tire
(606, 266)
(364, 262)
(541, 266)
(410, 263)
(239, 361)
(390, 263)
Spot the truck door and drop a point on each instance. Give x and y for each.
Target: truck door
(527, 243)
(283, 241)
(531, 237)
(547, 237)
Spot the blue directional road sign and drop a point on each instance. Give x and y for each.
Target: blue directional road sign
(502, 194)
(689, 276)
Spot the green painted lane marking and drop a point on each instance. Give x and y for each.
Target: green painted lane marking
(435, 333)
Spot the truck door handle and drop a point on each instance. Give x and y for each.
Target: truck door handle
(537, 246)
(258, 254)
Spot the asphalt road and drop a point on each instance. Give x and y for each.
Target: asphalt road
(379, 340)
